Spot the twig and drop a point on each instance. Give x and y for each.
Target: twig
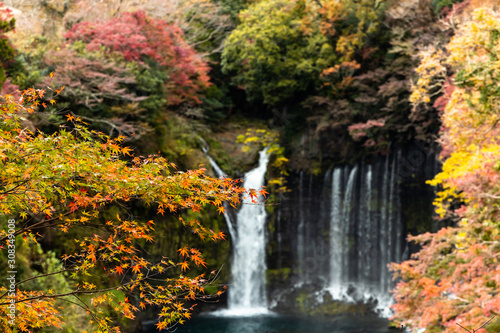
(477, 329)
(486, 322)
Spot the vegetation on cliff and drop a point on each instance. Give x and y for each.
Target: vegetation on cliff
(454, 279)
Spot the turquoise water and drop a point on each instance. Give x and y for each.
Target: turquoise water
(280, 324)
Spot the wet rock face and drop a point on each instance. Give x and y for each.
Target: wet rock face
(298, 230)
(334, 234)
(312, 300)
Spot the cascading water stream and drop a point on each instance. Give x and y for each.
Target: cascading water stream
(365, 231)
(365, 236)
(336, 235)
(346, 226)
(220, 173)
(248, 288)
(247, 292)
(301, 227)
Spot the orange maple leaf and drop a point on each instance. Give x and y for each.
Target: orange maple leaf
(185, 266)
(183, 252)
(119, 270)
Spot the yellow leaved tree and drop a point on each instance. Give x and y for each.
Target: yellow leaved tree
(64, 182)
(455, 279)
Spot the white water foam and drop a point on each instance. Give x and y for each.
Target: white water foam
(365, 233)
(247, 291)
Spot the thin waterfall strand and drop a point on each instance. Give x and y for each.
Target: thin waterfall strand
(221, 174)
(365, 231)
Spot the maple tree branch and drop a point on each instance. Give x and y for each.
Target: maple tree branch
(38, 152)
(84, 306)
(104, 121)
(477, 329)
(486, 323)
(71, 293)
(463, 327)
(39, 276)
(26, 228)
(216, 50)
(118, 9)
(36, 277)
(487, 195)
(76, 292)
(12, 189)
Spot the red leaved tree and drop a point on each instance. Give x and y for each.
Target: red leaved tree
(138, 38)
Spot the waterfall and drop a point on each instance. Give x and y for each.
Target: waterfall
(279, 236)
(336, 235)
(331, 234)
(217, 169)
(347, 221)
(220, 173)
(365, 231)
(247, 292)
(300, 228)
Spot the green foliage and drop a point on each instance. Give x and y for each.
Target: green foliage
(440, 5)
(215, 102)
(278, 275)
(233, 7)
(285, 47)
(272, 54)
(23, 72)
(354, 26)
(150, 83)
(28, 68)
(205, 23)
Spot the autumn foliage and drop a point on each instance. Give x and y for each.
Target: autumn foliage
(138, 37)
(92, 80)
(7, 52)
(65, 181)
(455, 278)
(339, 74)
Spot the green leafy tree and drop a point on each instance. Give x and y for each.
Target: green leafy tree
(277, 50)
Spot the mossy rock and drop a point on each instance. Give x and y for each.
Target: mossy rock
(278, 275)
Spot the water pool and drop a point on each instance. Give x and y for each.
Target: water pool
(279, 324)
